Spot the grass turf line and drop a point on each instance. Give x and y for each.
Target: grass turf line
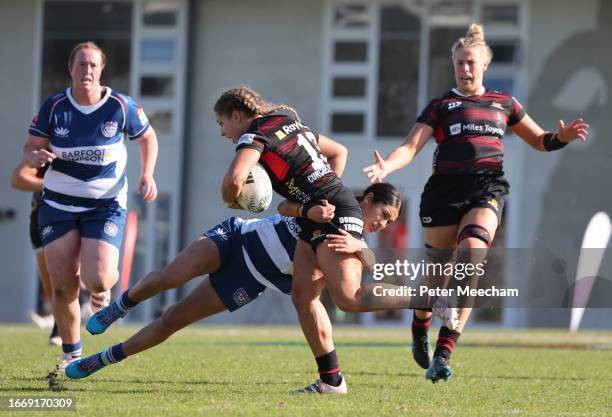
(249, 371)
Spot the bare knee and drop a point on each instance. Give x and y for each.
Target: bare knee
(349, 304)
(99, 280)
(65, 294)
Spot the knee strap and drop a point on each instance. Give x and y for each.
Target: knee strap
(476, 231)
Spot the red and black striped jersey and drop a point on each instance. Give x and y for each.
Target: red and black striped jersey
(469, 131)
(291, 156)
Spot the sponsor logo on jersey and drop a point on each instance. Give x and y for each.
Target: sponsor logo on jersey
(482, 128)
(351, 224)
(295, 192)
(454, 105)
(426, 220)
(109, 129)
(141, 115)
(46, 230)
(319, 173)
(110, 229)
(241, 297)
(293, 227)
(247, 138)
(89, 155)
(221, 233)
(287, 129)
(455, 129)
(497, 105)
(61, 132)
(280, 134)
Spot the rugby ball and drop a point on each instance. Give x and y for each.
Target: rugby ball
(256, 193)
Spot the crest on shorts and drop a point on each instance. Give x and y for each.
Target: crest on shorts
(111, 228)
(109, 129)
(221, 233)
(46, 230)
(241, 297)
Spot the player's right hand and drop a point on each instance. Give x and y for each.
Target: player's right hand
(41, 157)
(322, 213)
(378, 171)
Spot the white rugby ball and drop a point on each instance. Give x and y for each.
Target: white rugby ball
(256, 193)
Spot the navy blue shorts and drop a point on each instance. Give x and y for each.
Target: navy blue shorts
(233, 282)
(100, 223)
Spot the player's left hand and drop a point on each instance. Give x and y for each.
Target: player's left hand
(344, 242)
(578, 129)
(147, 188)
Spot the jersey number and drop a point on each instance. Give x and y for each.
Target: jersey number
(318, 159)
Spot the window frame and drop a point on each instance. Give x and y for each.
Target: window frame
(369, 70)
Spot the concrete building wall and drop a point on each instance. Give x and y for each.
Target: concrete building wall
(570, 76)
(18, 66)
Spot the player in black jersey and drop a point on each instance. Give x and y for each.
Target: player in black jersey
(462, 202)
(304, 167)
(29, 179)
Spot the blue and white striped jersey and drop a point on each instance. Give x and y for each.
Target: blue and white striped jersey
(89, 170)
(268, 246)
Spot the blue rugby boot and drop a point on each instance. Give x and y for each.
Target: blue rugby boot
(82, 368)
(99, 322)
(439, 370)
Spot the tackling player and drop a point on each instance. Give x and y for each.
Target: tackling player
(243, 258)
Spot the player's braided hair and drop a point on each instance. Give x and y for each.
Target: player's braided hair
(85, 45)
(247, 100)
(474, 38)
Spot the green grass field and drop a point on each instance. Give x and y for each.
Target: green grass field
(249, 371)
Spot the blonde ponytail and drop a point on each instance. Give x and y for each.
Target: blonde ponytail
(474, 38)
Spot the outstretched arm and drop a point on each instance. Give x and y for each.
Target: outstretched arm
(344, 242)
(400, 156)
(528, 130)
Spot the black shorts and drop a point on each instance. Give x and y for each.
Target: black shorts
(447, 198)
(34, 232)
(347, 216)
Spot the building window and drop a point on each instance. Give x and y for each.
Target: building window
(68, 23)
(160, 13)
(398, 70)
(386, 60)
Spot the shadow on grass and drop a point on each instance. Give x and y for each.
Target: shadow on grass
(406, 344)
(481, 377)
